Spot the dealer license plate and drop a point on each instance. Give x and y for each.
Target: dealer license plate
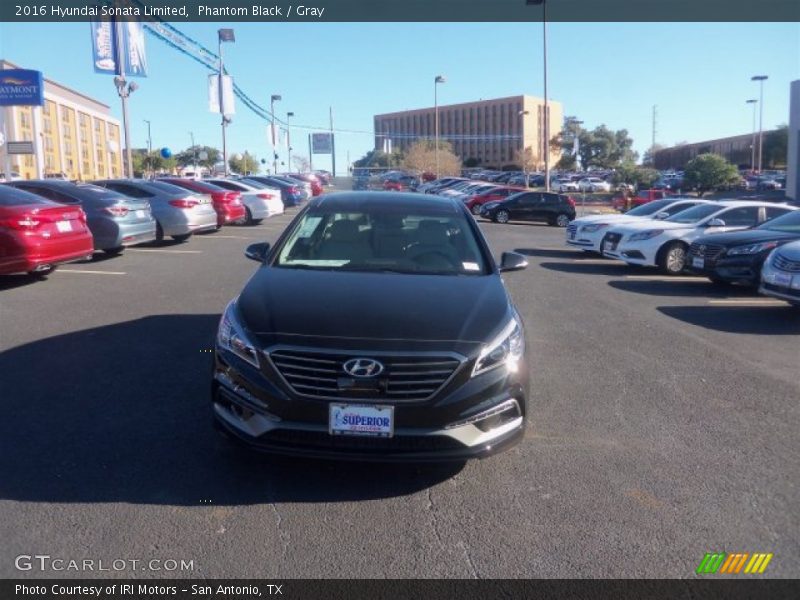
(63, 226)
(698, 263)
(782, 279)
(361, 419)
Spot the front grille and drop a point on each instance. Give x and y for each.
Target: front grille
(572, 229)
(710, 252)
(784, 264)
(397, 443)
(405, 377)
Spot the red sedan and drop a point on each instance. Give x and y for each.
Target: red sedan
(37, 234)
(475, 202)
(313, 180)
(227, 203)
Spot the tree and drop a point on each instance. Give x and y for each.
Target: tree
(301, 163)
(471, 162)
(708, 172)
(378, 158)
(421, 156)
(641, 177)
(604, 148)
(145, 162)
(649, 158)
(244, 163)
(191, 156)
(564, 142)
(776, 144)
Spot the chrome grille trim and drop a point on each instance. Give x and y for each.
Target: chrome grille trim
(784, 264)
(314, 372)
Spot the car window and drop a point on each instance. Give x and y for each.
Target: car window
(10, 196)
(774, 212)
(789, 222)
(128, 190)
(673, 210)
(51, 194)
(528, 199)
(695, 214)
(649, 209)
(743, 216)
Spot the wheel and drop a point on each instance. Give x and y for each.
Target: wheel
(248, 216)
(256, 221)
(159, 233)
(114, 251)
(672, 258)
(501, 216)
(181, 238)
(476, 209)
(562, 220)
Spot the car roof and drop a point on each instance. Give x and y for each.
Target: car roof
(733, 202)
(410, 202)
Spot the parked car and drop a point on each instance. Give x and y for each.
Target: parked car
(177, 212)
(737, 257)
(36, 234)
(227, 203)
(400, 183)
(258, 203)
(665, 244)
(440, 184)
(114, 220)
(565, 185)
(494, 194)
(593, 184)
(324, 176)
(587, 233)
(312, 180)
(780, 275)
(553, 209)
(349, 377)
(292, 192)
(642, 197)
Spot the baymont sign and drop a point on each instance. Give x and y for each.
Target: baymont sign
(21, 87)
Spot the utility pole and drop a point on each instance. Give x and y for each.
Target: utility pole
(655, 116)
(333, 144)
(760, 79)
(194, 150)
(223, 35)
(124, 92)
(274, 98)
(754, 102)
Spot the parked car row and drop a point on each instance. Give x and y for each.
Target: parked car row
(44, 223)
(756, 244)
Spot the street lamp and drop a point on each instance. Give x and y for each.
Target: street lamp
(125, 89)
(439, 79)
(753, 101)
(223, 35)
(289, 141)
(149, 143)
(524, 154)
(546, 104)
(760, 79)
(272, 100)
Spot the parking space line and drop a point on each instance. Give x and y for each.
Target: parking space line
(665, 278)
(595, 261)
(225, 237)
(91, 272)
(749, 301)
(164, 251)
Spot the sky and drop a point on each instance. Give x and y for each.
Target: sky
(697, 74)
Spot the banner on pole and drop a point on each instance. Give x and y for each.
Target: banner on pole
(104, 48)
(227, 94)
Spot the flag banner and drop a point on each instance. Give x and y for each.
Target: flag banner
(103, 50)
(133, 43)
(227, 94)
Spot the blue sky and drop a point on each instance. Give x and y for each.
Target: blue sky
(697, 74)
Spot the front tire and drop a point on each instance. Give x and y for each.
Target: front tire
(501, 216)
(673, 258)
(181, 238)
(562, 220)
(114, 251)
(476, 209)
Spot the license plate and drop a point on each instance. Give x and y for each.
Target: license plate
(607, 246)
(572, 235)
(63, 226)
(782, 279)
(698, 263)
(141, 214)
(361, 419)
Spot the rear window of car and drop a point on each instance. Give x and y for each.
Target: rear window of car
(168, 188)
(695, 214)
(10, 196)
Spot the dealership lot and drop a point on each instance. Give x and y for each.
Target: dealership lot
(664, 419)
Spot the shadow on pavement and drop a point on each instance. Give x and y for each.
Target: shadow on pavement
(702, 287)
(612, 269)
(566, 253)
(121, 413)
(9, 282)
(762, 320)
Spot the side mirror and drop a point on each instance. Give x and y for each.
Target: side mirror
(661, 216)
(512, 261)
(257, 252)
(715, 223)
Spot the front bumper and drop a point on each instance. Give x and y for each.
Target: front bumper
(633, 253)
(477, 419)
(744, 269)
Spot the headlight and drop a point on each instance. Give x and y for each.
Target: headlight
(593, 227)
(751, 248)
(230, 336)
(506, 349)
(645, 235)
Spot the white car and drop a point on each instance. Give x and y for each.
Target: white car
(259, 203)
(565, 185)
(593, 184)
(780, 275)
(664, 243)
(587, 233)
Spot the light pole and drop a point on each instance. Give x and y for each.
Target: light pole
(439, 79)
(753, 101)
(289, 141)
(760, 79)
(546, 103)
(149, 143)
(272, 100)
(125, 89)
(223, 35)
(524, 153)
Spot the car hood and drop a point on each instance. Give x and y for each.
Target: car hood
(612, 219)
(281, 305)
(748, 236)
(653, 224)
(791, 251)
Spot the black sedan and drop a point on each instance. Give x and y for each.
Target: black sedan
(553, 209)
(376, 370)
(737, 257)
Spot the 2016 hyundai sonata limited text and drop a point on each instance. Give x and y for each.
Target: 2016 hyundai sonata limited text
(377, 327)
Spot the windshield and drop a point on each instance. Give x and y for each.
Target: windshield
(648, 209)
(166, 187)
(695, 214)
(384, 241)
(789, 223)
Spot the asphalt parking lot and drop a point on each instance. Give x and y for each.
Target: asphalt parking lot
(664, 426)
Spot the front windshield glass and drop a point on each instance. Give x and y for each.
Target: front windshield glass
(648, 209)
(695, 214)
(384, 241)
(789, 223)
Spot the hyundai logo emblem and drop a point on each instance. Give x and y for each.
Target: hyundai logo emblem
(363, 367)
